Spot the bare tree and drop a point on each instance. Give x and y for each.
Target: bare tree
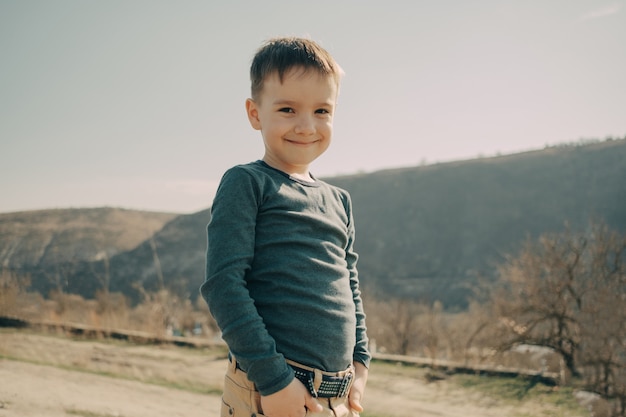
(12, 287)
(393, 324)
(432, 329)
(541, 296)
(568, 292)
(603, 322)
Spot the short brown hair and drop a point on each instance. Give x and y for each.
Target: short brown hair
(283, 54)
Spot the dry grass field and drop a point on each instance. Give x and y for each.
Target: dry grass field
(52, 375)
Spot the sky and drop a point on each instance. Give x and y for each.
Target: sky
(140, 103)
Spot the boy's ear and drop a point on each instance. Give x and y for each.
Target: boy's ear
(253, 114)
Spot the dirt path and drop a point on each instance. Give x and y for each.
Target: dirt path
(52, 376)
(29, 390)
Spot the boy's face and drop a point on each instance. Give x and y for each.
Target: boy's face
(295, 118)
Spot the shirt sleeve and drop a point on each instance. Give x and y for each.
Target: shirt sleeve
(230, 252)
(361, 351)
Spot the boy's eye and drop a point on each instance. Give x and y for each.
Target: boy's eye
(285, 110)
(322, 111)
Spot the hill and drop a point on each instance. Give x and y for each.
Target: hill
(47, 243)
(426, 232)
(433, 230)
(174, 257)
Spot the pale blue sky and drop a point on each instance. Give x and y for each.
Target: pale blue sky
(140, 104)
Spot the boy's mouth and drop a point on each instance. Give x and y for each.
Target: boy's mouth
(301, 142)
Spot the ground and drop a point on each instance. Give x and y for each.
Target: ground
(51, 375)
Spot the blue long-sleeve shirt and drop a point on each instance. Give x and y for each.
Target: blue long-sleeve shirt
(281, 276)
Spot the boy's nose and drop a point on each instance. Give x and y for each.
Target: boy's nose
(305, 125)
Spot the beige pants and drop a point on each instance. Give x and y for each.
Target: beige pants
(241, 399)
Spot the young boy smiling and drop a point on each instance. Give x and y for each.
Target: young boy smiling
(281, 277)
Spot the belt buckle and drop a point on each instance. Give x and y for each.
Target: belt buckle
(344, 388)
(309, 382)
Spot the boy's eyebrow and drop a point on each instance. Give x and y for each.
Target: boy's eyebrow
(285, 102)
(280, 102)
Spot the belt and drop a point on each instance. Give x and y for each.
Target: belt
(321, 384)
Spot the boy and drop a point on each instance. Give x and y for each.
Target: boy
(281, 275)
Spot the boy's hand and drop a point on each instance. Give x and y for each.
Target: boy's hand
(358, 386)
(290, 401)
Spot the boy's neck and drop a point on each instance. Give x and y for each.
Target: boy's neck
(301, 173)
(303, 177)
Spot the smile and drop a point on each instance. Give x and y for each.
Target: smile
(298, 143)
